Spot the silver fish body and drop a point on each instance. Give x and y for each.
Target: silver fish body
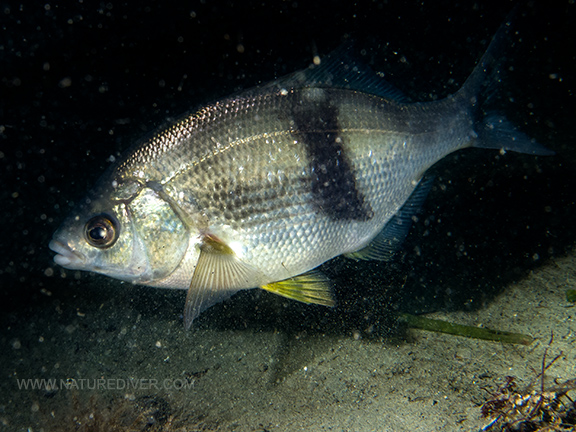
(265, 186)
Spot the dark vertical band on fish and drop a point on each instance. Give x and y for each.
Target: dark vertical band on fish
(332, 175)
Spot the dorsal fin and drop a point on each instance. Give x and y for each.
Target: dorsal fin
(339, 69)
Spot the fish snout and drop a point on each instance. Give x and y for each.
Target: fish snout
(66, 256)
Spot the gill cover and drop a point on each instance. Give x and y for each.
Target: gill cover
(161, 234)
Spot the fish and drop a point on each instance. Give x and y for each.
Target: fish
(258, 189)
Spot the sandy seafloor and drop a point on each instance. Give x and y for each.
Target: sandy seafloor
(251, 379)
(493, 245)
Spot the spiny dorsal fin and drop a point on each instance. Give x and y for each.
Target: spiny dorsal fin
(310, 287)
(218, 274)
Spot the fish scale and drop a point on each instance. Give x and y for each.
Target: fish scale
(275, 164)
(259, 189)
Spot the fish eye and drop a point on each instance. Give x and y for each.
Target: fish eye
(101, 231)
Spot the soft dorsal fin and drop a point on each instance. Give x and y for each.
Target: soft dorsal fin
(339, 69)
(388, 241)
(218, 274)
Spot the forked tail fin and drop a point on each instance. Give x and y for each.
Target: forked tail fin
(481, 90)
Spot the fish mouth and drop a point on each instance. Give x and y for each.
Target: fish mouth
(66, 256)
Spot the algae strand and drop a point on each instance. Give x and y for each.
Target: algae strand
(441, 326)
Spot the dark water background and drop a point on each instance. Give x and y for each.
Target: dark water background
(80, 82)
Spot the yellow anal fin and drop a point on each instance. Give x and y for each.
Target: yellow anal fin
(218, 274)
(311, 287)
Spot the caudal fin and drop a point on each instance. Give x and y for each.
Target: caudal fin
(482, 89)
(496, 132)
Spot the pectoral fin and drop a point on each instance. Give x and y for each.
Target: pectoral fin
(311, 287)
(218, 274)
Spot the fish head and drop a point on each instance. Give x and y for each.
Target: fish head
(124, 229)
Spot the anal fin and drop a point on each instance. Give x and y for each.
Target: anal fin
(388, 241)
